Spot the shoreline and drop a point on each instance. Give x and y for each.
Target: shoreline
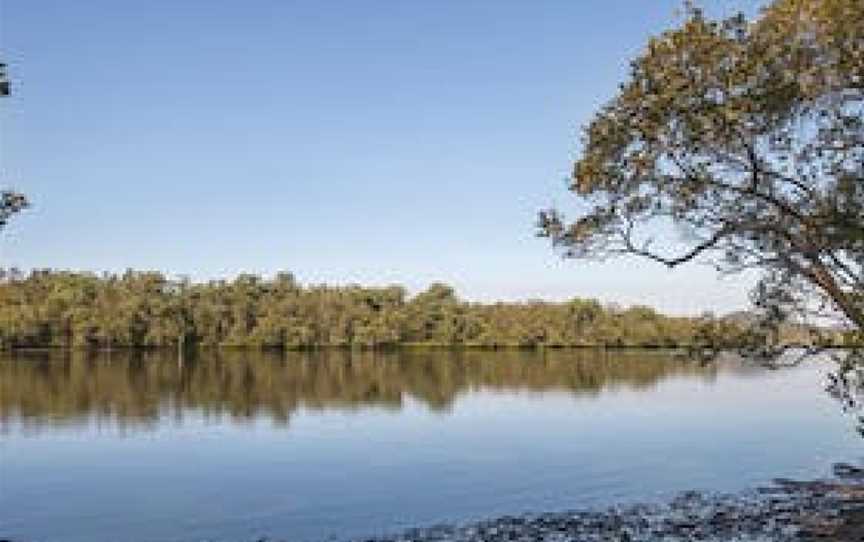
(822, 510)
(830, 509)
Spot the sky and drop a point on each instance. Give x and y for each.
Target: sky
(371, 142)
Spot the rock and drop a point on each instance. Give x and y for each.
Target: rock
(846, 471)
(791, 511)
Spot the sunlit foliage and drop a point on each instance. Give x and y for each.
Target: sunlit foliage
(747, 137)
(145, 309)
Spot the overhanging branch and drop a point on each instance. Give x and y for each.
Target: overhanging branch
(631, 248)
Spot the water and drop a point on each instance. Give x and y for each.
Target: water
(238, 446)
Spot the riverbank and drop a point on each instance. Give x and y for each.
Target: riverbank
(786, 511)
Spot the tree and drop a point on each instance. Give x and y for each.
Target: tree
(10, 202)
(746, 139)
(145, 309)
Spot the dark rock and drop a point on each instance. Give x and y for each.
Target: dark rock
(845, 470)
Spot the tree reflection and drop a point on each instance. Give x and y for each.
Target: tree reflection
(136, 389)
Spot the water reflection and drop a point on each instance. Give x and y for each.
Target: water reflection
(164, 451)
(136, 389)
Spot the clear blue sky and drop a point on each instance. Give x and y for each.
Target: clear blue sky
(347, 141)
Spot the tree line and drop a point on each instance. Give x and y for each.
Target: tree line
(48, 308)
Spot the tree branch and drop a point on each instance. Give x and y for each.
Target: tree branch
(631, 248)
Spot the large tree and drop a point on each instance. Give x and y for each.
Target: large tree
(744, 139)
(10, 202)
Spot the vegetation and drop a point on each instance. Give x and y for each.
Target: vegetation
(145, 309)
(747, 137)
(11, 202)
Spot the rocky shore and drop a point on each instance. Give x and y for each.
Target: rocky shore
(822, 510)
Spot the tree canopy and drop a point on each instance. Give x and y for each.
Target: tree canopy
(145, 309)
(746, 138)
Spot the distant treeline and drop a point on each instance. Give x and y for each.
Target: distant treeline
(145, 309)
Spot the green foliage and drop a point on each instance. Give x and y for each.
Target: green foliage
(145, 309)
(748, 138)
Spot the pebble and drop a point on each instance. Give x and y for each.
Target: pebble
(788, 511)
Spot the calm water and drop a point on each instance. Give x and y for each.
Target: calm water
(308, 447)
